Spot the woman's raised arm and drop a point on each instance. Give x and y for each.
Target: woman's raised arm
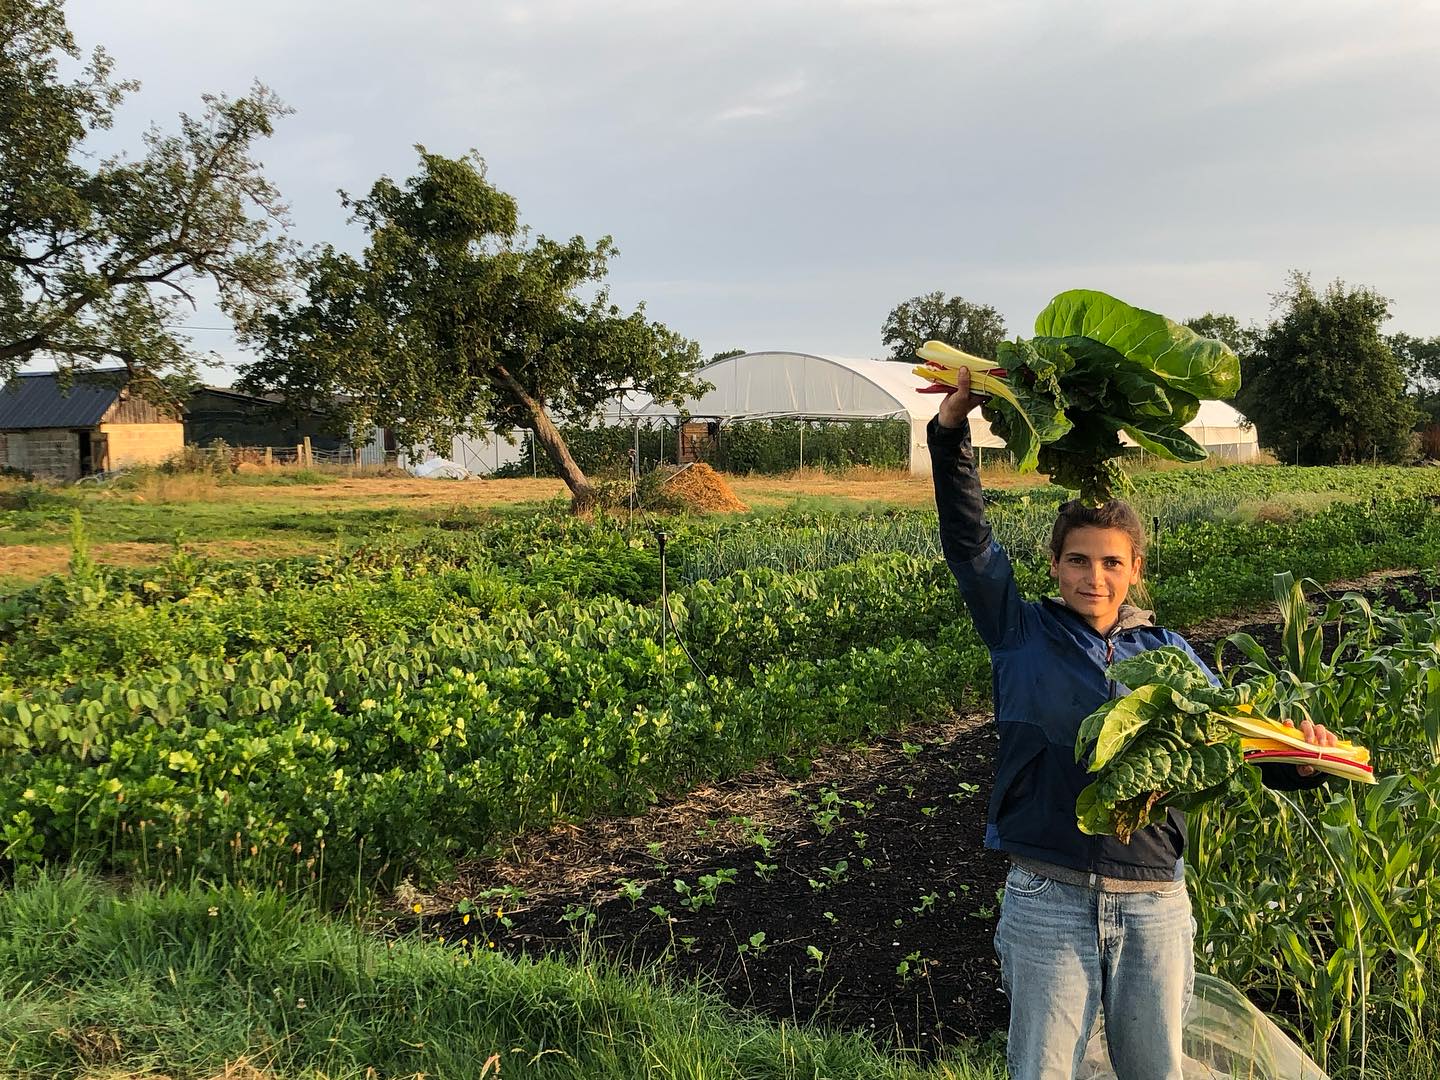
(979, 564)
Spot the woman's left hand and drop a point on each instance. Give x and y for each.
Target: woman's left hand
(1313, 733)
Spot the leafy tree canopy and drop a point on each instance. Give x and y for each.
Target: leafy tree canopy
(976, 329)
(1420, 361)
(1322, 385)
(96, 258)
(455, 321)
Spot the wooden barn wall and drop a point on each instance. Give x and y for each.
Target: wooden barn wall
(134, 409)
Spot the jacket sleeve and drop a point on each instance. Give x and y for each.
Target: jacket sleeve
(1276, 776)
(980, 565)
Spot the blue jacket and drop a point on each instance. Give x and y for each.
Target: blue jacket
(1048, 668)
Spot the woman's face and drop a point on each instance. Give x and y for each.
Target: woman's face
(1095, 571)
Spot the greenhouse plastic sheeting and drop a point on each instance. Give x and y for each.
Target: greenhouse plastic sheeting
(1226, 1038)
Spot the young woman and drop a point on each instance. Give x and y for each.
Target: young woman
(1087, 921)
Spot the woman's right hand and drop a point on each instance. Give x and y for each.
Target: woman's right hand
(959, 403)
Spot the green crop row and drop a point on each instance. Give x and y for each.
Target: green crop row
(1325, 904)
(408, 704)
(404, 753)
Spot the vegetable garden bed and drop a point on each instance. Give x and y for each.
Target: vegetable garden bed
(861, 897)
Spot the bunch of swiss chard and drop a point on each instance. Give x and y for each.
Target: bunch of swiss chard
(1164, 744)
(1097, 367)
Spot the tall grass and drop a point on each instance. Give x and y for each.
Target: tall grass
(184, 980)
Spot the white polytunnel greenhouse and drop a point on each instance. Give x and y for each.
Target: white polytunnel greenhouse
(812, 386)
(780, 385)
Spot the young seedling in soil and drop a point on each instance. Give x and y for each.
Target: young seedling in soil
(707, 886)
(927, 904)
(817, 960)
(914, 964)
(581, 914)
(826, 812)
(631, 890)
(756, 943)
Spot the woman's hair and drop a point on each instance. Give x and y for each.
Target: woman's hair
(1115, 514)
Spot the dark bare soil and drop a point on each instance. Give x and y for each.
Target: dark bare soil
(865, 903)
(861, 897)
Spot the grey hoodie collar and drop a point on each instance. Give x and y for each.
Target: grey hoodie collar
(1129, 617)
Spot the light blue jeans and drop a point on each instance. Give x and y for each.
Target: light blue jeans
(1066, 951)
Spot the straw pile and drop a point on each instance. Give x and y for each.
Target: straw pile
(700, 487)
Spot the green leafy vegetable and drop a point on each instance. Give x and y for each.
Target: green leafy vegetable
(1164, 744)
(1098, 367)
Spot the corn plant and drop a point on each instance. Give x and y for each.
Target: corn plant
(1324, 904)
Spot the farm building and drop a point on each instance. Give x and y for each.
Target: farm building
(94, 424)
(809, 386)
(243, 420)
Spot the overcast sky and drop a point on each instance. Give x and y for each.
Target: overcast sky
(779, 175)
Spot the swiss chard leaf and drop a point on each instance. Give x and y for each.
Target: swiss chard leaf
(1091, 813)
(1166, 441)
(1042, 400)
(1102, 329)
(1169, 665)
(1096, 368)
(1126, 718)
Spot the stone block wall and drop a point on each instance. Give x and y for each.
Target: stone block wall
(52, 452)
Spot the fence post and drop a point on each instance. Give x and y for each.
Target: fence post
(802, 444)
(269, 457)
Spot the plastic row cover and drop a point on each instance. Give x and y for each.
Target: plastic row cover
(1226, 1038)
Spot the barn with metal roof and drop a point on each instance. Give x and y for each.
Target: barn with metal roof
(92, 422)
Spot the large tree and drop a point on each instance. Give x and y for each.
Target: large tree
(455, 321)
(974, 328)
(96, 257)
(1322, 386)
(1420, 361)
